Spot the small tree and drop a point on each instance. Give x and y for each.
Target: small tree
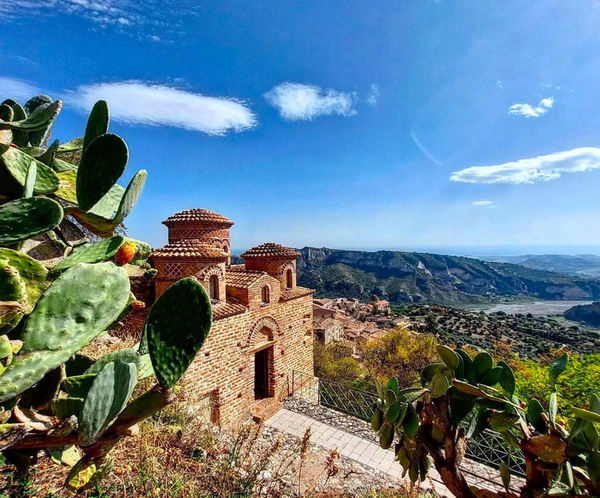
(562, 455)
(51, 396)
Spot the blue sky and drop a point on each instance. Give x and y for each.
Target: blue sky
(343, 124)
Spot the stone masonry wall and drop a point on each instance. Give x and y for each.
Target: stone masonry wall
(223, 370)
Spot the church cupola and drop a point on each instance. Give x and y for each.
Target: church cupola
(277, 260)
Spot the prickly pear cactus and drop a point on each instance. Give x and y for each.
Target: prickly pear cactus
(51, 395)
(175, 338)
(430, 426)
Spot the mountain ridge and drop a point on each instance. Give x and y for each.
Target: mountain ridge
(415, 277)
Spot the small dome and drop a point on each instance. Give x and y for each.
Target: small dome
(203, 216)
(271, 250)
(185, 249)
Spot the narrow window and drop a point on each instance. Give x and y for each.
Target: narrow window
(289, 278)
(213, 287)
(265, 295)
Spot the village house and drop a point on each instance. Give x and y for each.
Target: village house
(262, 321)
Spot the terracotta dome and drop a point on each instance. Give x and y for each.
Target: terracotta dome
(271, 250)
(200, 216)
(184, 249)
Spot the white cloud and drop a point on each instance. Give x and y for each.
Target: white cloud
(485, 204)
(541, 168)
(296, 101)
(143, 17)
(16, 89)
(530, 111)
(373, 95)
(159, 105)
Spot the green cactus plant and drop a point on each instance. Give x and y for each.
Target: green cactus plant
(14, 165)
(108, 395)
(175, 338)
(560, 455)
(91, 253)
(97, 124)
(102, 164)
(23, 219)
(78, 306)
(51, 396)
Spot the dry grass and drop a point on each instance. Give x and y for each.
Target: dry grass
(176, 455)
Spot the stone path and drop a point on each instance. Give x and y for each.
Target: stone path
(368, 453)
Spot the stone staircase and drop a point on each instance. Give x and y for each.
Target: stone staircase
(265, 408)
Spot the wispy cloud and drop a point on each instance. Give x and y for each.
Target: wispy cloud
(141, 17)
(422, 148)
(373, 95)
(483, 203)
(530, 111)
(16, 89)
(159, 105)
(536, 169)
(297, 101)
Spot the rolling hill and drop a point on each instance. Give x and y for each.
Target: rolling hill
(412, 277)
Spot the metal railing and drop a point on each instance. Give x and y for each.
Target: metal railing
(488, 448)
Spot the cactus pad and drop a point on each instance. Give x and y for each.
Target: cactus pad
(131, 195)
(39, 119)
(78, 306)
(91, 253)
(176, 328)
(31, 272)
(20, 138)
(97, 123)
(107, 397)
(102, 163)
(30, 180)
(15, 164)
(87, 473)
(26, 218)
(125, 355)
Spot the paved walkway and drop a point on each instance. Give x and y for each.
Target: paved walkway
(367, 452)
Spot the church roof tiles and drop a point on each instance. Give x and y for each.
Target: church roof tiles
(271, 250)
(200, 216)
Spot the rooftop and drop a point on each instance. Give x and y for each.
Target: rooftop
(198, 215)
(271, 250)
(185, 249)
(239, 277)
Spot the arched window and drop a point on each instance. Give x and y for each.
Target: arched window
(265, 295)
(289, 279)
(213, 287)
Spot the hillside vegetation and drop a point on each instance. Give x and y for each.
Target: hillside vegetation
(526, 335)
(411, 277)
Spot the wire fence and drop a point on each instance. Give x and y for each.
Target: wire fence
(488, 447)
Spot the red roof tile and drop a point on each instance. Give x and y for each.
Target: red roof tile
(185, 249)
(239, 277)
(288, 295)
(226, 310)
(198, 215)
(271, 250)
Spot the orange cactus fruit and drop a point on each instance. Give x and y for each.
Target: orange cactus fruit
(138, 305)
(125, 253)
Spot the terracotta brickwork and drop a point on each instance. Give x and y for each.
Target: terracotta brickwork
(262, 322)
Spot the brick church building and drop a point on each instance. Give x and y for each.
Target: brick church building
(262, 321)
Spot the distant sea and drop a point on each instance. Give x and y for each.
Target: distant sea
(482, 251)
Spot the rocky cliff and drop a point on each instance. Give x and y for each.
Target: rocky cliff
(422, 277)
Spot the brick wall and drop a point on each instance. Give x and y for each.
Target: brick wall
(224, 368)
(276, 268)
